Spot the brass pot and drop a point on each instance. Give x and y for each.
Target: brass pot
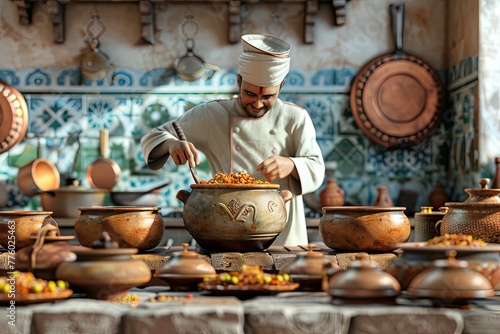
(364, 228)
(19, 229)
(478, 215)
(240, 217)
(131, 226)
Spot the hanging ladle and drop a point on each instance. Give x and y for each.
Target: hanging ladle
(182, 136)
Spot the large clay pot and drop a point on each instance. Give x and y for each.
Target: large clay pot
(225, 217)
(105, 273)
(478, 215)
(364, 228)
(19, 229)
(132, 227)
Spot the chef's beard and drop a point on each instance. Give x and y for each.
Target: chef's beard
(250, 113)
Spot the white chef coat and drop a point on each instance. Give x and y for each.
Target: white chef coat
(233, 142)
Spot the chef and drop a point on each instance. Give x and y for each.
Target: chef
(255, 132)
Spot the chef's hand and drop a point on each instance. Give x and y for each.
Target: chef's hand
(276, 167)
(183, 151)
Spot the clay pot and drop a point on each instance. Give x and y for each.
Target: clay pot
(132, 227)
(185, 270)
(234, 217)
(332, 194)
(417, 257)
(364, 228)
(478, 215)
(48, 252)
(65, 201)
(105, 273)
(362, 282)
(307, 269)
(19, 229)
(438, 197)
(383, 198)
(450, 281)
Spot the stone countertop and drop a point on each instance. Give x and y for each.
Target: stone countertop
(292, 312)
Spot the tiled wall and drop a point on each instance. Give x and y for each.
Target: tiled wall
(64, 128)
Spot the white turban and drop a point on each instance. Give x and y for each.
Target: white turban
(265, 60)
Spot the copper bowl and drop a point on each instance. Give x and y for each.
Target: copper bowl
(234, 217)
(131, 226)
(364, 228)
(19, 229)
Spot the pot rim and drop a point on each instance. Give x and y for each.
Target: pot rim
(118, 208)
(235, 186)
(25, 213)
(472, 204)
(364, 208)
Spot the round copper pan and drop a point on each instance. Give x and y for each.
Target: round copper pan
(13, 117)
(397, 98)
(103, 173)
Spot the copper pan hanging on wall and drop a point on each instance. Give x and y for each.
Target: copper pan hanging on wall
(397, 98)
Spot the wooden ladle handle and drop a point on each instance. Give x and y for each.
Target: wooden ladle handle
(179, 131)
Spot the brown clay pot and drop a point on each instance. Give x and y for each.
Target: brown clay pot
(19, 229)
(478, 215)
(418, 256)
(234, 217)
(105, 273)
(131, 226)
(332, 194)
(364, 228)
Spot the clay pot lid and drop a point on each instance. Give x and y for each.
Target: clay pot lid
(363, 279)
(480, 196)
(452, 279)
(308, 263)
(105, 249)
(185, 264)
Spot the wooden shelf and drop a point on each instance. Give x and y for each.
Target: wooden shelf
(146, 9)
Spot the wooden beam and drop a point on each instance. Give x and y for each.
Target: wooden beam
(56, 13)
(310, 11)
(234, 21)
(146, 9)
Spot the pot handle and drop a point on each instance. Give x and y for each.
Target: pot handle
(286, 195)
(46, 228)
(182, 195)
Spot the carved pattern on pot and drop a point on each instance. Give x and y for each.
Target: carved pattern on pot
(234, 211)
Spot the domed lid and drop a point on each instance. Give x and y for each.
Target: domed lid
(306, 263)
(186, 264)
(363, 279)
(452, 279)
(105, 249)
(483, 195)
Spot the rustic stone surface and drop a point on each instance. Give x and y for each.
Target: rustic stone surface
(261, 259)
(281, 260)
(382, 260)
(227, 261)
(345, 259)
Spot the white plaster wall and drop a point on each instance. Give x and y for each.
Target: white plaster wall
(365, 35)
(489, 84)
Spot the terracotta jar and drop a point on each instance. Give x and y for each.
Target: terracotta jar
(438, 197)
(364, 228)
(478, 215)
(495, 183)
(105, 272)
(383, 198)
(332, 194)
(234, 217)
